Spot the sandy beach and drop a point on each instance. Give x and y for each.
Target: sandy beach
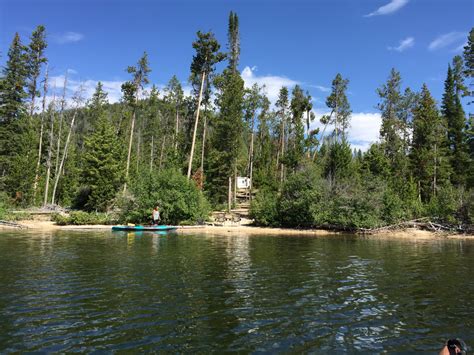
(250, 230)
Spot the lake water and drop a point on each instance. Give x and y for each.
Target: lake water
(84, 291)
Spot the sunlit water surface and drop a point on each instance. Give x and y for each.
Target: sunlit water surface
(85, 291)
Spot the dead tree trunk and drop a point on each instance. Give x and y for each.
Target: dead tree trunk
(61, 113)
(203, 140)
(251, 158)
(138, 150)
(50, 154)
(127, 168)
(151, 154)
(66, 145)
(191, 155)
(40, 146)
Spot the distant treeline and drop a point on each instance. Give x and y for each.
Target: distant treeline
(180, 151)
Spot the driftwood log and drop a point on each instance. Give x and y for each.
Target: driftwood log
(13, 224)
(423, 224)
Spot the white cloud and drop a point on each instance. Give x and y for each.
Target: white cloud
(389, 8)
(272, 83)
(460, 48)
(403, 45)
(67, 37)
(363, 131)
(113, 88)
(320, 88)
(447, 40)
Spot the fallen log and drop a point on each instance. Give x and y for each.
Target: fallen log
(414, 223)
(13, 224)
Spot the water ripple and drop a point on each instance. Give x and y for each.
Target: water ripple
(87, 292)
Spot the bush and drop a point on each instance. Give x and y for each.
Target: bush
(300, 193)
(4, 205)
(263, 208)
(82, 218)
(452, 205)
(350, 205)
(178, 198)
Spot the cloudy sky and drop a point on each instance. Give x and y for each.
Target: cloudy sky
(283, 42)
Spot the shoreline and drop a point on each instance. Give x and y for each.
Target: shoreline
(252, 230)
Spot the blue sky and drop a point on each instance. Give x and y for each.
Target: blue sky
(283, 42)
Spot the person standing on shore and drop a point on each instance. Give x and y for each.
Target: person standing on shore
(155, 216)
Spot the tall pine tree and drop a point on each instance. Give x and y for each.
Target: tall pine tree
(103, 172)
(428, 157)
(453, 113)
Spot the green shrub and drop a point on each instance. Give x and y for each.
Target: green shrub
(263, 208)
(350, 205)
(300, 193)
(178, 198)
(4, 205)
(451, 205)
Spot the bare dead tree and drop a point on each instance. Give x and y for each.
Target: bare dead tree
(40, 145)
(78, 100)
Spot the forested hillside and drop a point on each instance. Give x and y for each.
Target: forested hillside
(159, 146)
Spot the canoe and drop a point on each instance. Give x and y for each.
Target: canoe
(144, 228)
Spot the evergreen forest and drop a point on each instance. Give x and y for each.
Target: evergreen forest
(184, 152)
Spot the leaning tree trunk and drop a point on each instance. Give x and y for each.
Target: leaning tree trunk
(66, 145)
(50, 155)
(132, 128)
(138, 150)
(40, 146)
(204, 140)
(251, 158)
(191, 155)
(61, 113)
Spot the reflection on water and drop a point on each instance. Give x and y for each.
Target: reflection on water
(76, 291)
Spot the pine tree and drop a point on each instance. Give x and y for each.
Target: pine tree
(469, 73)
(131, 92)
(453, 113)
(296, 139)
(206, 57)
(338, 163)
(252, 102)
(233, 42)
(428, 158)
(16, 136)
(264, 152)
(174, 96)
(392, 128)
(15, 74)
(102, 169)
(282, 106)
(469, 63)
(339, 105)
(458, 77)
(228, 128)
(35, 58)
